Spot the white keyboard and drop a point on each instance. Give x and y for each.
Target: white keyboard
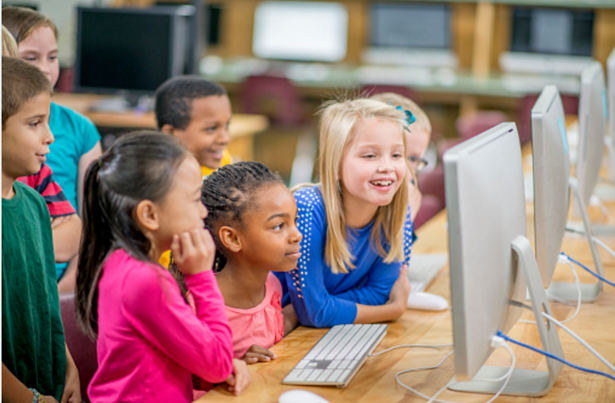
(424, 268)
(337, 356)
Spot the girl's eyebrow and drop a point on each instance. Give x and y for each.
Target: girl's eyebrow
(283, 215)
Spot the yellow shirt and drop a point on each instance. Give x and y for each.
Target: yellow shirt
(165, 259)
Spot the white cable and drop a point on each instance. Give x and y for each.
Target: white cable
(496, 342)
(563, 259)
(409, 346)
(400, 383)
(580, 340)
(595, 201)
(604, 246)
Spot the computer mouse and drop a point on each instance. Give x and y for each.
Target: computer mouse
(300, 396)
(426, 302)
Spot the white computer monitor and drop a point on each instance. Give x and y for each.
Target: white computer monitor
(300, 31)
(610, 74)
(552, 185)
(491, 260)
(592, 129)
(551, 166)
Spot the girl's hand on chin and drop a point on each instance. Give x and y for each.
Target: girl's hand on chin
(194, 251)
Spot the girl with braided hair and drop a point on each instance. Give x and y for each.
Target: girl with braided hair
(252, 218)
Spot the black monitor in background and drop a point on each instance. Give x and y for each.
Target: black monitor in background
(132, 50)
(549, 41)
(410, 25)
(412, 34)
(554, 31)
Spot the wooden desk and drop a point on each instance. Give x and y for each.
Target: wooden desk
(375, 381)
(242, 128)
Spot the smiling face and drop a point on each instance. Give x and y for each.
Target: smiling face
(269, 234)
(206, 135)
(41, 50)
(26, 138)
(373, 166)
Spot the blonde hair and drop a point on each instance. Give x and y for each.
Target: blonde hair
(9, 46)
(337, 123)
(390, 98)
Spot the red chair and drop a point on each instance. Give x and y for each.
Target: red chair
(432, 183)
(81, 347)
(524, 113)
(430, 206)
(273, 96)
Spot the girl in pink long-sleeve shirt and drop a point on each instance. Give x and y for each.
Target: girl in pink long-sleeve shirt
(142, 197)
(252, 217)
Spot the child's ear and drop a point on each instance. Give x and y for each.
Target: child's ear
(167, 128)
(229, 237)
(146, 215)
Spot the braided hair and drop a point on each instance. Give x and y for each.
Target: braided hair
(227, 194)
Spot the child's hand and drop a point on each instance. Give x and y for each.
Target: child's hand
(50, 399)
(55, 221)
(194, 251)
(258, 353)
(400, 291)
(240, 378)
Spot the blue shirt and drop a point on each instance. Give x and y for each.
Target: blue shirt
(75, 135)
(321, 298)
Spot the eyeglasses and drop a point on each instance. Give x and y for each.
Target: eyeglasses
(417, 163)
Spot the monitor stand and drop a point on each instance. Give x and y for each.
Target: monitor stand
(589, 291)
(524, 382)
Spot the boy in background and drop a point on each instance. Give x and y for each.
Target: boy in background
(36, 364)
(198, 112)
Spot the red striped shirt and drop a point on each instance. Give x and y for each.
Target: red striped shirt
(44, 184)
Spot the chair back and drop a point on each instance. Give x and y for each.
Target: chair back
(81, 347)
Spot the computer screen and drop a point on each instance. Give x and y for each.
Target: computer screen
(491, 262)
(410, 25)
(610, 74)
(300, 31)
(549, 41)
(551, 166)
(552, 30)
(592, 129)
(410, 33)
(132, 49)
(485, 202)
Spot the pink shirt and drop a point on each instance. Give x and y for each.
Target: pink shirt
(262, 325)
(150, 341)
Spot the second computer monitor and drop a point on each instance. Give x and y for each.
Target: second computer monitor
(551, 175)
(485, 201)
(308, 31)
(592, 129)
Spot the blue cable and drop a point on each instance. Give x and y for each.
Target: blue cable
(591, 371)
(581, 265)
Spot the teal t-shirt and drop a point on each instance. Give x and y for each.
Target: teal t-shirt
(75, 135)
(33, 346)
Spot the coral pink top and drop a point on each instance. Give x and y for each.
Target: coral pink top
(262, 325)
(150, 341)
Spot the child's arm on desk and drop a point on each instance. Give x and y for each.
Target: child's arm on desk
(393, 309)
